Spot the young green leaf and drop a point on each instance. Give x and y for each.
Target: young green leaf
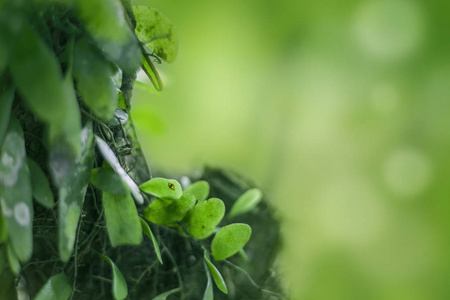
(119, 285)
(13, 261)
(209, 293)
(40, 185)
(156, 32)
(106, 180)
(71, 196)
(152, 72)
(15, 191)
(6, 100)
(163, 211)
(148, 232)
(112, 160)
(162, 188)
(164, 295)
(218, 279)
(229, 240)
(93, 74)
(57, 287)
(203, 218)
(200, 189)
(246, 202)
(122, 220)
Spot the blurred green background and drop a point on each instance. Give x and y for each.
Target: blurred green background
(340, 111)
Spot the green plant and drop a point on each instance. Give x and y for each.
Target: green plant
(67, 69)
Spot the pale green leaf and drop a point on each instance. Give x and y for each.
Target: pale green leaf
(112, 160)
(246, 202)
(229, 240)
(156, 32)
(6, 100)
(93, 74)
(122, 220)
(162, 188)
(148, 232)
(164, 295)
(119, 285)
(203, 218)
(218, 279)
(106, 180)
(162, 211)
(200, 189)
(209, 293)
(40, 185)
(57, 287)
(13, 261)
(71, 196)
(15, 191)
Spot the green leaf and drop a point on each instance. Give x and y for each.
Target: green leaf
(119, 285)
(112, 160)
(152, 73)
(122, 221)
(162, 188)
(162, 211)
(209, 293)
(156, 32)
(57, 287)
(16, 198)
(229, 240)
(106, 180)
(71, 196)
(93, 74)
(246, 202)
(12, 260)
(6, 100)
(204, 217)
(164, 295)
(148, 232)
(200, 189)
(218, 279)
(40, 185)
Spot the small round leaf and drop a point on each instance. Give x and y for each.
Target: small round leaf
(204, 217)
(246, 202)
(162, 188)
(200, 189)
(229, 240)
(163, 211)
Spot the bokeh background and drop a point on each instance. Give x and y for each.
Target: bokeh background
(340, 111)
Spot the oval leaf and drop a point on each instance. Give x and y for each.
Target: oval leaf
(112, 160)
(16, 198)
(40, 185)
(57, 287)
(200, 189)
(122, 220)
(229, 240)
(246, 202)
(148, 232)
(163, 211)
(204, 217)
(119, 285)
(218, 279)
(162, 188)
(106, 180)
(209, 293)
(156, 32)
(13, 261)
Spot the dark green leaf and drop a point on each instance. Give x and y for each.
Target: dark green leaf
(57, 287)
(148, 232)
(122, 221)
(93, 74)
(12, 260)
(15, 191)
(163, 211)
(164, 295)
(200, 189)
(6, 100)
(204, 217)
(229, 240)
(162, 188)
(119, 285)
(246, 202)
(112, 160)
(106, 180)
(40, 185)
(71, 196)
(218, 279)
(156, 32)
